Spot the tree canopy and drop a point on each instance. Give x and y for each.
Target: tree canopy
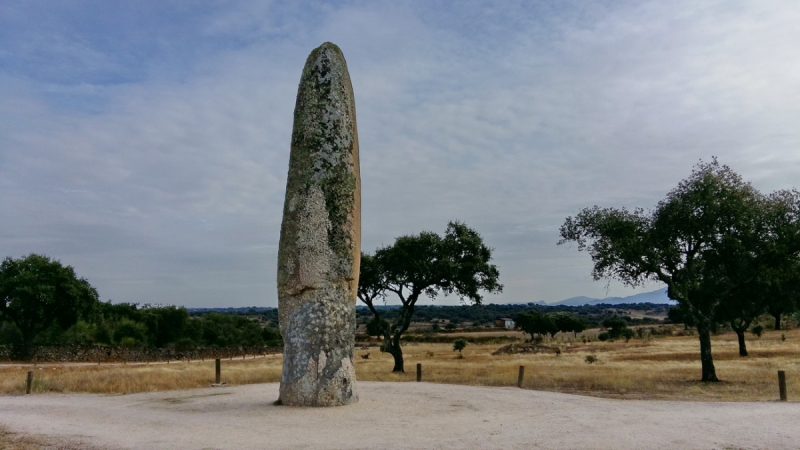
(45, 303)
(781, 273)
(706, 240)
(425, 264)
(38, 293)
(536, 323)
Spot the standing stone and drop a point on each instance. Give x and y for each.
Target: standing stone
(320, 247)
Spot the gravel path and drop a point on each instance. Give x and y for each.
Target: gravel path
(399, 416)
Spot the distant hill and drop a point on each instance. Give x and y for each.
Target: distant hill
(658, 297)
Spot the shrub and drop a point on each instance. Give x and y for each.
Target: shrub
(128, 332)
(626, 333)
(272, 337)
(590, 359)
(376, 327)
(617, 328)
(459, 345)
(758, 330)
(604, 336)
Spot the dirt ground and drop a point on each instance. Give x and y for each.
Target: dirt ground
(396, 416)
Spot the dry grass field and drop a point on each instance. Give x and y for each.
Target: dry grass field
(656, 368)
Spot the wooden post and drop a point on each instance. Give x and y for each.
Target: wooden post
(781, 384)
(521, 376)
(217, 370)
(419, 372)
(29, 382)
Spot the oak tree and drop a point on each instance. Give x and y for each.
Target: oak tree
(677, 243)
(37, 292)
(425, 264)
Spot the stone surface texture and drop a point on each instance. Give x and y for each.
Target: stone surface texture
(320, 244)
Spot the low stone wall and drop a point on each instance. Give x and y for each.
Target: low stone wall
(101, 353)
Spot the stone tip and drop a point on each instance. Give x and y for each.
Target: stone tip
(326, 47)
(330, 45)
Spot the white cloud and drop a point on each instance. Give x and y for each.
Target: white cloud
(169, 189)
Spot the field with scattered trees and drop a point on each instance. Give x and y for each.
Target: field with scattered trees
(658, 362)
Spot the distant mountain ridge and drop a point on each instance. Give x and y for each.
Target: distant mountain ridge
(658, 297)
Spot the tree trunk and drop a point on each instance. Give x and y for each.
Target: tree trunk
(740, 326)
(397, 353)
(777, 321)
(742, 345)
(709, 373)
(392, 346)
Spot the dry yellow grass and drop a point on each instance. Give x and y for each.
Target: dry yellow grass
(125, 379)
(663, 368)
(660, 368)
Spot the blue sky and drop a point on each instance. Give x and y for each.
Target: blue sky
(146, 143)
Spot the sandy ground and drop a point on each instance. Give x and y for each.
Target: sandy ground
(398, 416)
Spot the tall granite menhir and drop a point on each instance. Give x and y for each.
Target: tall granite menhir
(320, 247)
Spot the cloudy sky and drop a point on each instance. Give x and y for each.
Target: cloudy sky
(146, 143)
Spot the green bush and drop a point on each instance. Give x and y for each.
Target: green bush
(459, 345)
(130, 332)
(627, 334)
(376, 327)
(617, 328)
(272, 337)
